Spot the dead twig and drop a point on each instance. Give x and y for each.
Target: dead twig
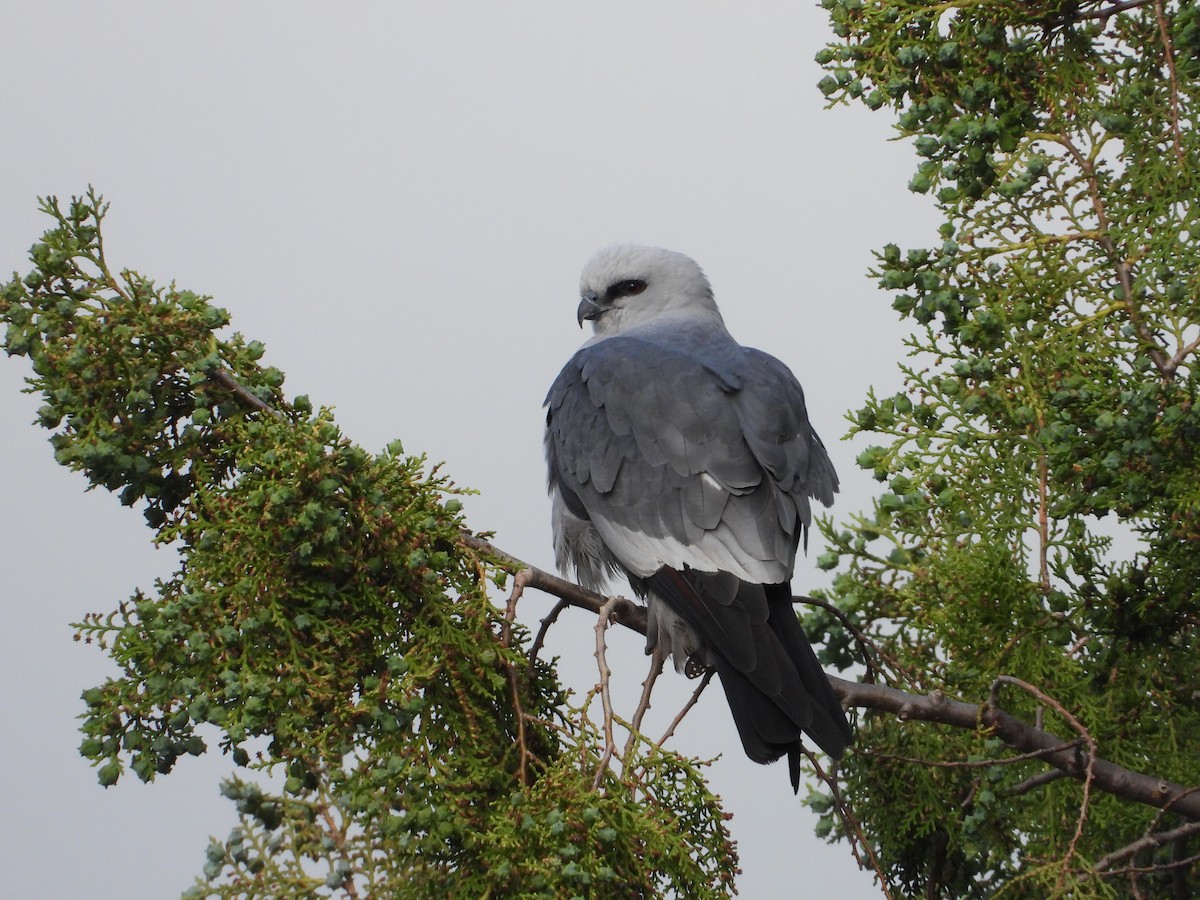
(510, 614)
(1033, 782)
(973, 763)
(540, 640)
(867, 646)
(635, 726)
(610, 743)
(240, 393)
(853, 829)
(1090, 771)
(687, 706)
(1149, 842)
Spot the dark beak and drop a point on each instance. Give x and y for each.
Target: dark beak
(589, 308)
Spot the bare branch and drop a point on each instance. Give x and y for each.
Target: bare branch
(687, 706)
(933, 707)
(1036, 781)
(975, 763)
(1149, 842)
(610, 743)
(622, 611)
(1169, 52)
(1090, 770)
(549, 619)
(635, 725)
(510, 614)
(1107, 12)
(853, 829)
(240, 393)
(1043, 514)
(1022, 737)
(868, 647)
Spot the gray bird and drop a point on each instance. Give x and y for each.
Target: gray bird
(686, 462)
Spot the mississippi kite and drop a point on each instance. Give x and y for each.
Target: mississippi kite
(686, 462)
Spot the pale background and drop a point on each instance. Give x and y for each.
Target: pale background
(397, 199)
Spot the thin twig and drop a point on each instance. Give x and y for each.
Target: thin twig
(1134, 871)
(687, 706)
(635, 726)
(1033, 782)
(1106, 13)
(1169, 51)
(865, 644)
(539, 641)
(610, 743)
(973, 763)
(853, 829)
(1149, 842)
(338, 836)
(1089, 774)
(510, 615)
(231, 384)
(1043, 513)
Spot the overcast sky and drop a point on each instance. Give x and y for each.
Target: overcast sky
(397, 199)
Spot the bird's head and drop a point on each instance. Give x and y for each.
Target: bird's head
(626, 285)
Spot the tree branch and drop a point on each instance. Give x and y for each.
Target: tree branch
(1024, 738)
(510, 615)
(854, 832)
(1034, 782)
(243, 396)
(1123, 269)
(635, 725)
(1169, 52)
(623, 612)
(934, 707)
(610, 743)
(867, 646)
(1149, 842)
(686, 707)
(1106, 13)
(1090, 767)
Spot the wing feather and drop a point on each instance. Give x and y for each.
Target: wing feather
(697, 446)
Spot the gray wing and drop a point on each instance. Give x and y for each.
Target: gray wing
(682, 459)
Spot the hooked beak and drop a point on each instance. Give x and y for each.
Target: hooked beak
(589, 308)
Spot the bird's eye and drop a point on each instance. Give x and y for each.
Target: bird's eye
(626, 288)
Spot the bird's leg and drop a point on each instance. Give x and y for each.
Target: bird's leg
(657, 658)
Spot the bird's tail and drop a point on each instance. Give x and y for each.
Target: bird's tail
(773, 682)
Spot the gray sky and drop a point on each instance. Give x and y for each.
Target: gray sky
(397, 199)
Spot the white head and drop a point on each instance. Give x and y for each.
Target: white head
(626, 285)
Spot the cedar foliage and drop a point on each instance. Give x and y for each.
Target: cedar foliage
(327, 626)
(1040, 515)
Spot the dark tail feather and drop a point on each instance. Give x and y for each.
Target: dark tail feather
(777, 689)
(829, 727)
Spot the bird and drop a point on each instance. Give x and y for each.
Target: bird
(686, 463)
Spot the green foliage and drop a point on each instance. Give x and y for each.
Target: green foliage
(1049, 404)
(327, 626)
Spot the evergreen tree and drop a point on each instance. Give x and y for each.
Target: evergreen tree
(1036, 548)
(329, 624)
